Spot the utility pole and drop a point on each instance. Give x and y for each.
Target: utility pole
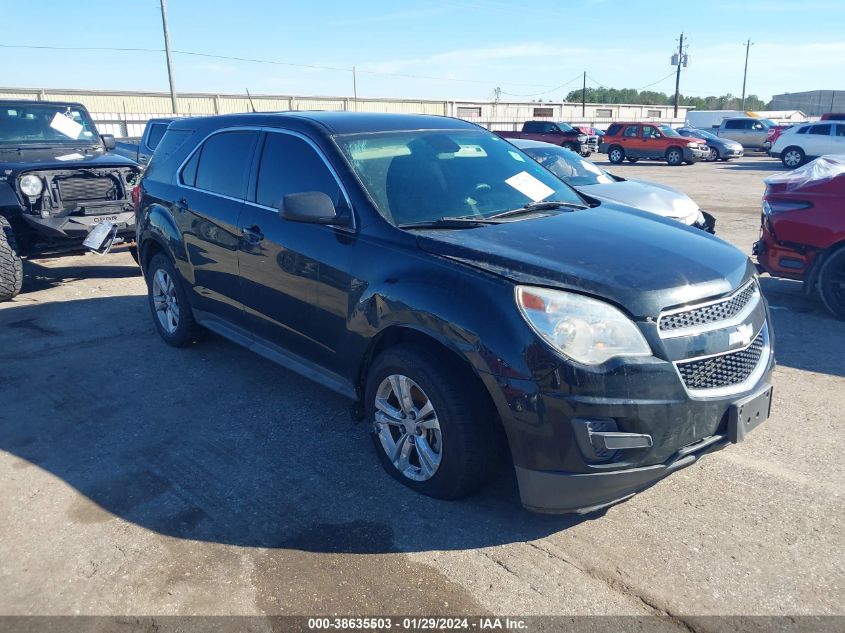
(584, 97)
(167, 54)
(745, 72)
(354, 90)
(678, 75)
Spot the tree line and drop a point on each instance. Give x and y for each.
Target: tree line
(651, 97)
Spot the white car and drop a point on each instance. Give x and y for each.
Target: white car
(802, 143)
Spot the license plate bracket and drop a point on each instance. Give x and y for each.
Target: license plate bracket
(746, 414)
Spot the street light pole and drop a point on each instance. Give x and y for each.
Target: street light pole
(745, 72)
(167, 54)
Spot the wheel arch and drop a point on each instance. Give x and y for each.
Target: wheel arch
(394, 335)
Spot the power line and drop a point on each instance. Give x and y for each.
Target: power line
(537, 94)
(268, 61)
(598, 83)
(658, 81)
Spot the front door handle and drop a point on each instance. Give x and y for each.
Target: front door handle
(181, 205)
(252, 233)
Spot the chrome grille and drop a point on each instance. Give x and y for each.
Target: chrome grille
(87, 188)
(711, 313)
(725, 370)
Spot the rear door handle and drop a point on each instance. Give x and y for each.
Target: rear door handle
(252, 233)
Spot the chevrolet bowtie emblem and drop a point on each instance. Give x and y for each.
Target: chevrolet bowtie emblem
(741, 335)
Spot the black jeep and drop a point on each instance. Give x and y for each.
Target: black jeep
(57, 183)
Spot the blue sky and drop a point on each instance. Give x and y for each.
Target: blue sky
(464, 48)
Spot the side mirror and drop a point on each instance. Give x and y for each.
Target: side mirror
(108, 141)
(313, 207)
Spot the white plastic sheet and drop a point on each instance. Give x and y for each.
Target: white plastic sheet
(817, 171)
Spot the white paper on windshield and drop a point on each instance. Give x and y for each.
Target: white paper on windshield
(528, 185)
(516, 156)
(66, 126)
(70, 157)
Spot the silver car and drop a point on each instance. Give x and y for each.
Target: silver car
(593, 181)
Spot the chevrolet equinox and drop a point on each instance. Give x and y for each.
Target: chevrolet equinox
(466, 299)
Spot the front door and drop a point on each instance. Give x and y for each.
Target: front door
(292, 286)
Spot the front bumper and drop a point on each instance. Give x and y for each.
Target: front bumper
(695, 155)
(77, 227)
(560, 493)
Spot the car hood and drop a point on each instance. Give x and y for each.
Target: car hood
(58, 158)
(648, 196)
(636, 260)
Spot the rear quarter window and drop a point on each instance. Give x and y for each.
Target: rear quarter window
(157, 131)
(613, 130)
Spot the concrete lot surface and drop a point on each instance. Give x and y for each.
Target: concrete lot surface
(137, 478)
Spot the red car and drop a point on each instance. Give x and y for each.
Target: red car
(803, 229)
(633, 141)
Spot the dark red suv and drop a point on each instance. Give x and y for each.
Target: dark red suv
(633, 141)
(803, 229)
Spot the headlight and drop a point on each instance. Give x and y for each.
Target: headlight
(586, 330)
(693, 218)
(692, 144)
(31, 185)
(582, 138)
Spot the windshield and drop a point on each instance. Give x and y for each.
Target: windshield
(425, 175)
(668, 130)
(768, 122)
(564, 127)
(568, 166)
(45, 124)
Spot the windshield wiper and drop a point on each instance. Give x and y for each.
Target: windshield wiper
(544, 205)
(448, 223)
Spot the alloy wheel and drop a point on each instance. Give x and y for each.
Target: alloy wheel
(407, 427)
(713, 155)
(165, 301)
(792, 158)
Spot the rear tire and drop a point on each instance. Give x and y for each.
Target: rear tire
(460, 458)
(832, 283)
(133, 250)
(168, 302)
(616, 155)
(11, 267)
(632, 160)
(792, 157)
(674, 157)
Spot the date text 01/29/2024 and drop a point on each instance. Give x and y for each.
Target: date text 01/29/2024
(417, 623)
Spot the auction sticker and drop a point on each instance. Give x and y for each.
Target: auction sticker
(528, 185)
(66, 126)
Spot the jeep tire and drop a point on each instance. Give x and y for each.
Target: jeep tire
(11, 267)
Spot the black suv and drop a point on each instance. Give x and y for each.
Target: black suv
(56, 184)
(460, 293)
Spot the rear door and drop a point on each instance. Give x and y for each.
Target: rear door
(293, 285)
(631, 141)
(212, 188)
(818, 140)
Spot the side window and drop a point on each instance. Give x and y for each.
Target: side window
(733, 125)
(650, 132)
(224, 163)
(840, 129)
(822, 130)
(632, 131)
(157, 130)
(549, 128)
(533, 127)
(613, 130)
(803, 130)
(290, 165)
(189, 171)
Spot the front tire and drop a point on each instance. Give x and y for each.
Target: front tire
(616, 155)
(11, 267)
(832, 283)
(432, 424)
(792, 157)
(572, 147)
(674, 157)
(168, 302)
(713, 155)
